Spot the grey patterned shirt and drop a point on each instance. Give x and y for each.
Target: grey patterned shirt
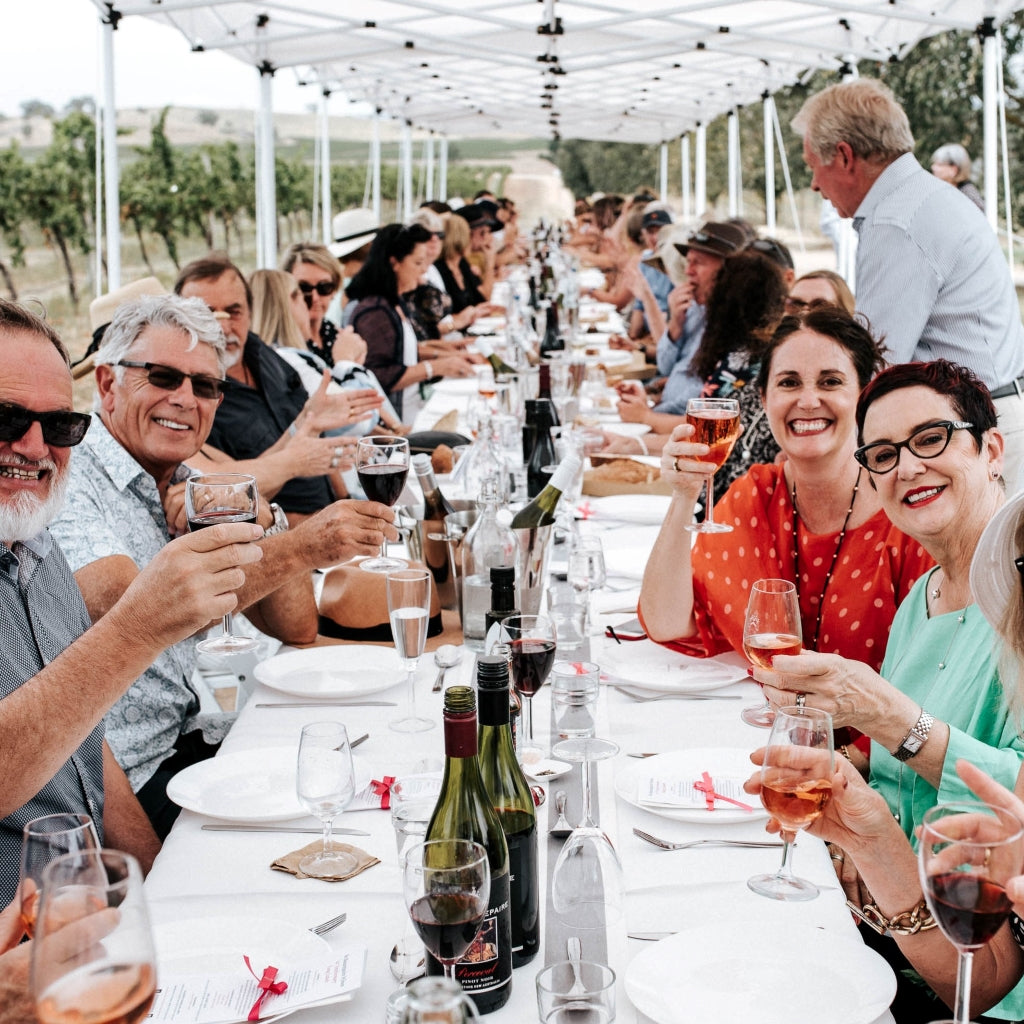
(113, 508)
(40, 617)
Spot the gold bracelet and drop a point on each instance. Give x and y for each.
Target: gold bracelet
(908, 922)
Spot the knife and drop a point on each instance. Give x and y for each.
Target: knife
(334, 704)
(651, 936)
(281, 828)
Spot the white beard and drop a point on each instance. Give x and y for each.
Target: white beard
(25, 515)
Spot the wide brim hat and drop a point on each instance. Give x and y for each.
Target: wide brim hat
(101, 312)
(995, 579)
(716, 239)
(351, 230)
(666, 256)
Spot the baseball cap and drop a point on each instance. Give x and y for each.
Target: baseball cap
(656, 218)
(715, 239)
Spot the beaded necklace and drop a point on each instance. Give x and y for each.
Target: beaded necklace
(835, 555)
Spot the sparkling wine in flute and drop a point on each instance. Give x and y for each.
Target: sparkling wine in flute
(795, 805)
(969, 909)
(761, 648)
(718, 429)
(99, 993)
(409, 628)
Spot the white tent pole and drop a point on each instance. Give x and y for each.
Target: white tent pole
(111, 179)
(97, 279)
(786, 176)
(1005, 152)
(684, 160)
(325, 168)
(266, 207)
(314, 218)
(406, 171)
(769, 163)
(733, 128)
(663, 173)
(990, 46)
(428, 145)
(700, 171)
(375, 163)
(442, 170)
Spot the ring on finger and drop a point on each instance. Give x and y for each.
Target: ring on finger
(334, 463)
(800, 699)
(338, 452)
(675, 465)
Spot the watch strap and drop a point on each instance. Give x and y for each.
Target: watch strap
(915, 738)
(280, 521)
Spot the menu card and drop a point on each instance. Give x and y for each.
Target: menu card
(679, 791)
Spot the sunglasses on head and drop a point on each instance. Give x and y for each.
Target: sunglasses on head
(60, 429)
(323, 288)
(167, 378)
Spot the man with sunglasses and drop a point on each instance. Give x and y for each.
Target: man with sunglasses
(159, 377)
(59, 675)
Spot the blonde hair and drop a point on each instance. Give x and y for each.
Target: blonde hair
(317, 255)
(272, 318)
(955, 155)
(1011, 645)
(456, 236)
(428, 219)
(863, 113)
(844, 297)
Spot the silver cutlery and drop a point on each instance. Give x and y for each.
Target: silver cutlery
(664, 844)
(334, 704)
(651, 936)
(647, 698)
(561, 828)
(636, 753)
(359, 739)
(281, 828)
(329, 925)
(445, 657)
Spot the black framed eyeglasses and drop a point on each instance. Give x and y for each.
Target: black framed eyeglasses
(167, 378)
(927, 443)
(60, 429)
(322, 288)
(439, 235)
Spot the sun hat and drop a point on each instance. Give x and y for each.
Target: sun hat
(666, 256)
(715, 239)
(351, 230)
(101, 312)
(995, 578)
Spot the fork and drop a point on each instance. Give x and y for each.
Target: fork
(646, 698)
(664, 844)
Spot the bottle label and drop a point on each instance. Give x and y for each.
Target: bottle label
(487, 965)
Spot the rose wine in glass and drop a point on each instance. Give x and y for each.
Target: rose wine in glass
(796, 784)
(716, 423)
(215, 498)
(968, 852)
(382, 465)
(408, 592)
(772, 626)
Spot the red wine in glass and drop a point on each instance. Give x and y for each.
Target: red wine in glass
(383, 483)
(211, 517)
(532, 659)
(447, 922)
(970, 909)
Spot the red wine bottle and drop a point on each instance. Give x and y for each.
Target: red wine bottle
(512, 799)
(464, 811)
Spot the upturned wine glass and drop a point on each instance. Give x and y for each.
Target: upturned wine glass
(325, 785)
(409, 610)
(796, 783)
(214, 498)
(531, 640)
(967, 854)
(772, 626)
(382, 465)
(93, 957)
(716, 423)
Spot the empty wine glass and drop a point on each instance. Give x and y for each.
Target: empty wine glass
(447, 883)
(43, 840)
(716, 423)
(92, 956)
(586, 885)
(772, 626)
(382, 465)
(531, 640)
(409, 610)
(968, 852)
(214, 498)
(325, 785)
(796, 783)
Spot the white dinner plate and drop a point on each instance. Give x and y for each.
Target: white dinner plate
(772, 971)
(654, 667)
(628, 429)
(728, 765)
(248, 785)
(337, 672)
(455, 386)
(641, 509)
(609, 357)
(487, 325)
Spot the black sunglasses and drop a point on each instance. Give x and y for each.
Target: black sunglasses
(60, 429)
(323, 288)
(167, 378)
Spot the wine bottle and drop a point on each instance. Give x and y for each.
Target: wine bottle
(542, 416)
(503, 594)
(512, 800)
(464, 811)
(501, 368)
(435, 552)
(435, 505)
(541, 511)
(552, 340)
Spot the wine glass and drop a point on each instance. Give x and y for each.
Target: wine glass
(43, 840)
(382, 464)
(325, 785)
(586, 884)
(968, 852)
(796, 783)
(716, 423)
(222, 498)
(447, 885)
(409, 609)
(772, 626)
(531, 640)
(93, 957)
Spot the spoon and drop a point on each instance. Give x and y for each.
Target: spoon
(561, 828)
(445, 657)
(574, 951)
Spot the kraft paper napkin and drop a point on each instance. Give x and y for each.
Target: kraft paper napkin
(290, 861)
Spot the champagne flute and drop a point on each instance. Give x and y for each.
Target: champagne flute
(531, 640)
(43, 840)
(796, 783)
(382, 465)
(93, 957)
(325, 785)
(222, 498)
(968, 852)
(409, 610)
(716, 423)
(447, 883)
(772, 626)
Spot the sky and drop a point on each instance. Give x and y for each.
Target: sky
(49, 51)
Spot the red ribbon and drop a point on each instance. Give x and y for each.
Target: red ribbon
(383, 790)
(584, 510)
(267, 987)
(707, 787)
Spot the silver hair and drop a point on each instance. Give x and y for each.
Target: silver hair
(955, 155)
(428, 219)
(863, 113)
(192, 316)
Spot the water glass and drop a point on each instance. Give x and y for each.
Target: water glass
(576, 990)
(568, 613)
(575, 687)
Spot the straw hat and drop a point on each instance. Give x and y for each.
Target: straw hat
(995, 579)
(351, 230)
(666, 256)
